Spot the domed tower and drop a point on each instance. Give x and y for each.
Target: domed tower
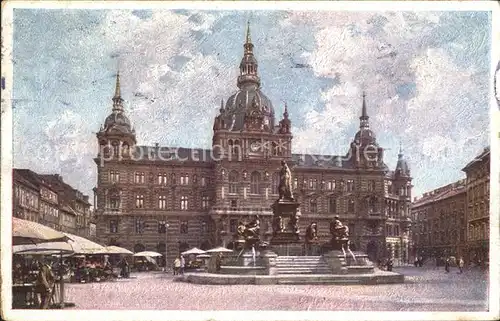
(245, 126)
(402, 177)
(364, 150)
(116, 136)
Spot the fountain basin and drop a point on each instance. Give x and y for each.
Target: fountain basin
(243, 270)
(378, 277)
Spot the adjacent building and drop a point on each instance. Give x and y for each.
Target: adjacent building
(48, 200)
(439, 222)
(478, 207)
(168, 199)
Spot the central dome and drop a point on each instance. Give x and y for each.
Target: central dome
(238, 105)
(118, 120)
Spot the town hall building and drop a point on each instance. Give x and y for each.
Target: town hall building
(168, 199)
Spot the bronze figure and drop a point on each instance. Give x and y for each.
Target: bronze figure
(285, 186)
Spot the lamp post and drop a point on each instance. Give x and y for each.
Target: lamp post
(166, 246)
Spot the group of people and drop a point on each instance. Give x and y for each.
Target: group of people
(459, 263)
(179, 265)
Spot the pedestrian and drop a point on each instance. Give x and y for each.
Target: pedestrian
(420, 261)
(177, 265)
(447, 265)
(183, 265)
(44, 284)
(218, 262)
(461, 264)
(390, 264)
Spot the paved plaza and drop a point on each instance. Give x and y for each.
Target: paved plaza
(425, 289)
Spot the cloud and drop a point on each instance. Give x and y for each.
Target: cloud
(425, 84)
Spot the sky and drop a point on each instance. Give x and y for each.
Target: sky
(425, 74)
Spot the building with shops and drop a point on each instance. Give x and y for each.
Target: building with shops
(478, 207)
(168, 199)
(48, 200)
(439, 222)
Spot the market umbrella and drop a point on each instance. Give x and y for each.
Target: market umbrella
(148, 254)
(46, 248)
(219, 249)
(27, 232)
(194, 250)
(82, 245)
(112, 249)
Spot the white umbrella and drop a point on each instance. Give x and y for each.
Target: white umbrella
(112, 249)
(82, 245)
(219, 249)
(148, 253)
(194, 250)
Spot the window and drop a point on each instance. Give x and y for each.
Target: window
(295, 183)
(184, 227)
(114, 200)
(255, 183)
(372, 205)
(205, 201)
(275, 181)
(184, 203)
(139, 177)
(139, 226)
(116, 149)
(113, 226)
(313, 205)
(139, 201)
(234, 204)
(371, 186)
(350, 185)
(173, 179)
(233, 225)
(114, 177)
(330, 185)
(162, 202)
(162, 179)
(233, 182)
(396, 230)
(162, 227)
(332, 205)
(350, 206)
(185, 179)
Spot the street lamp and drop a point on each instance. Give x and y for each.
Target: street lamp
(166, 245)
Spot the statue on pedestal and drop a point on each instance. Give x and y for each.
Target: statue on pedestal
(312, 233)
(340, 236)
(285, 185)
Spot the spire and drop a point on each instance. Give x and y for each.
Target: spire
(248, 66)
(248, 38)
(363, 120)
(285, 114)
(400, 155)
(117, 99)
(221, 110)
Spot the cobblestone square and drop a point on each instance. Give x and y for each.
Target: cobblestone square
(425, 289)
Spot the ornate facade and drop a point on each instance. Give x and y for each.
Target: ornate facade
(168, 199)
(439, 218)
(48, 200)
(478, 207)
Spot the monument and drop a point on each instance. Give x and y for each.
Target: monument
(286, 215)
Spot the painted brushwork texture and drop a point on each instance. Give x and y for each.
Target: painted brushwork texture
(425, 75)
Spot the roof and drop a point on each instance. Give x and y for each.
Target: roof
(441, 193)
(485, 154)
(56, 182)
(29, 177)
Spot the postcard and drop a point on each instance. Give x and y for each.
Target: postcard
(250, 160)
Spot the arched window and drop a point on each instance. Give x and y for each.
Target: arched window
(275, 183)
(350, 206)
(233, 182)
(139, 248)
(332, 205)
(114, 199)
(313, 205)
(116, 148)
(255, 183)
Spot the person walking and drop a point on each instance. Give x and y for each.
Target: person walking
(461, 264)
(44, 284)
(447, 265)
(177, 265)
(183, 265)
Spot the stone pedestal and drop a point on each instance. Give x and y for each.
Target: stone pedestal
(336, 262)
(285, 223)
(269, 262)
